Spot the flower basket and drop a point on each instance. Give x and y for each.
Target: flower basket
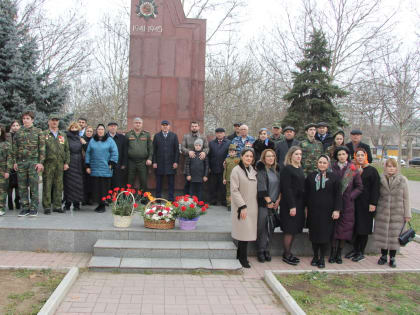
(122, 221)
(188, 210)
(159, 216)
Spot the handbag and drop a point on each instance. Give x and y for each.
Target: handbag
(407, 236)
(274, 217)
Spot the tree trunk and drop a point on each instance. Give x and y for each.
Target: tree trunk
(409, 148)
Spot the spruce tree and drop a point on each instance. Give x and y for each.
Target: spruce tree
(22, 86)
(312, 93)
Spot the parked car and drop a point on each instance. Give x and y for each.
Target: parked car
(414, 161)
(402, 162)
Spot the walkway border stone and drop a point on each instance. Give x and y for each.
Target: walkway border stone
(60, 292)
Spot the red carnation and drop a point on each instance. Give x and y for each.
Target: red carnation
(352, 167)
(135, 205)
(206, 205)
(103, 198)
(195, 198)
(201, 203)
(116, 189)
(192, 205)
(160, 214)
(185, 199)
(167, 208)
(183, 208)
(203, 209)
(110, 191)
(178, 198)
(108, 197)
(128, 186)
(139, 192)
(187, 196)
(114, 199)
(126, 193)
(176, 204)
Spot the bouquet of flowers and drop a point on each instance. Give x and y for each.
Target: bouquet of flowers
(189, 207)
(125, 200)
(157, 212)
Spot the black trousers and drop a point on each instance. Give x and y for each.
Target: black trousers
(217, 189)
(171, 186)
(196, 189)
(118, 177)
(101, 186)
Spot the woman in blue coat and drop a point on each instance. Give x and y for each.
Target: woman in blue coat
(101, 158)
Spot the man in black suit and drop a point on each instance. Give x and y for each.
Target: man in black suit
(219, 148)
(356, 142)
(323, 135)
(284, 146)
(165, 158)
(119, 174)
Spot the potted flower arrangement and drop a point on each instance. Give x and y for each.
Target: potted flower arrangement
(124, 202)
(158, 214)
(188, 210)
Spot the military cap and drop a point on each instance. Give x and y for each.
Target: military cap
(289, 128)
(237, 124)
(54, 116)
(310, 126)
(322, 124)
(356, 132)
(220, 130)
(165, 122)
(112, 123)
(277, 125)
(232, 146)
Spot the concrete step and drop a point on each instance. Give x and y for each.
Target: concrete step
(165, 249)
(98, 263)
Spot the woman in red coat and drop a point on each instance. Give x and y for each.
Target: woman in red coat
(351, 188)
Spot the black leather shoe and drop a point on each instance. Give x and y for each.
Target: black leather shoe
(321, 263)
(296, 259)
(267, 255)
(100, 209)
(358, 257)
(351, 254)
(382, 260)
(289, 260)
(392, 262)
(338, 258)
(331, 259)
(261, 257)
(244, 263)
(315, 261)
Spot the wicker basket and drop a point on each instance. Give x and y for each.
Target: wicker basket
(124, 221)
(161, 224)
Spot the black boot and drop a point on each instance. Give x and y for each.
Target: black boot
(338, 258)
(261, 257)
(76, 206)
(100, 208)
(331, 259)
(243, 254)
(267, 255)
(315, 261)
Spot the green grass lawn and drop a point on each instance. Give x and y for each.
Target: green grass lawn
(415, 222)
(412, 173)
(322, 293)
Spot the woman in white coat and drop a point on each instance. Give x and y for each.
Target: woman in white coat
(243, 189)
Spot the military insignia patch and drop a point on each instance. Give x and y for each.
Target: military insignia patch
(146, 9)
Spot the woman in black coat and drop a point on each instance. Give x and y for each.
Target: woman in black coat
(87, 179)
(268, 188)
(262, 143)
(365, 205)
(73, 177)
(323, 201)
(292, 212)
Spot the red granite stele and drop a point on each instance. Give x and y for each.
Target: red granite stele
(167, 68)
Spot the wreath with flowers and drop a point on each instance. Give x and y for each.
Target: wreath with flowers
(189, 207)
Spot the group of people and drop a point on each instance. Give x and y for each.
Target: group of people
(274, 180)
(322, 183)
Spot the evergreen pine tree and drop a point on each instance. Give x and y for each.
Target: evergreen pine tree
(22, 86)
(312, 93)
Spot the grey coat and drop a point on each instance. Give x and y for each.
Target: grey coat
(393, 206)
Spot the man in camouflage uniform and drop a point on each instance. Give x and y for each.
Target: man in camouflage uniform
(311, 150)
(57, 160)
(139, 152)
(28, 157)
(230, 162)
(5, 166)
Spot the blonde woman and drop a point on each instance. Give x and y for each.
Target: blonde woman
(392, 211)
(292, 212)
(73, 177)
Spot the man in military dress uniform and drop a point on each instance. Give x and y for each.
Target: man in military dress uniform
(28, 156)
(57, 160)
(139, 152)
(311, 150)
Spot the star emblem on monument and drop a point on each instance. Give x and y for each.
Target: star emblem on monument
(146, 9)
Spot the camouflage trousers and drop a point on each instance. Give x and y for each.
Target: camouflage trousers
(52, 189)
(4, 185)
(228, 199)
(28, 177)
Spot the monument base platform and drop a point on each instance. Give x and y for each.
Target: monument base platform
(78, 231)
